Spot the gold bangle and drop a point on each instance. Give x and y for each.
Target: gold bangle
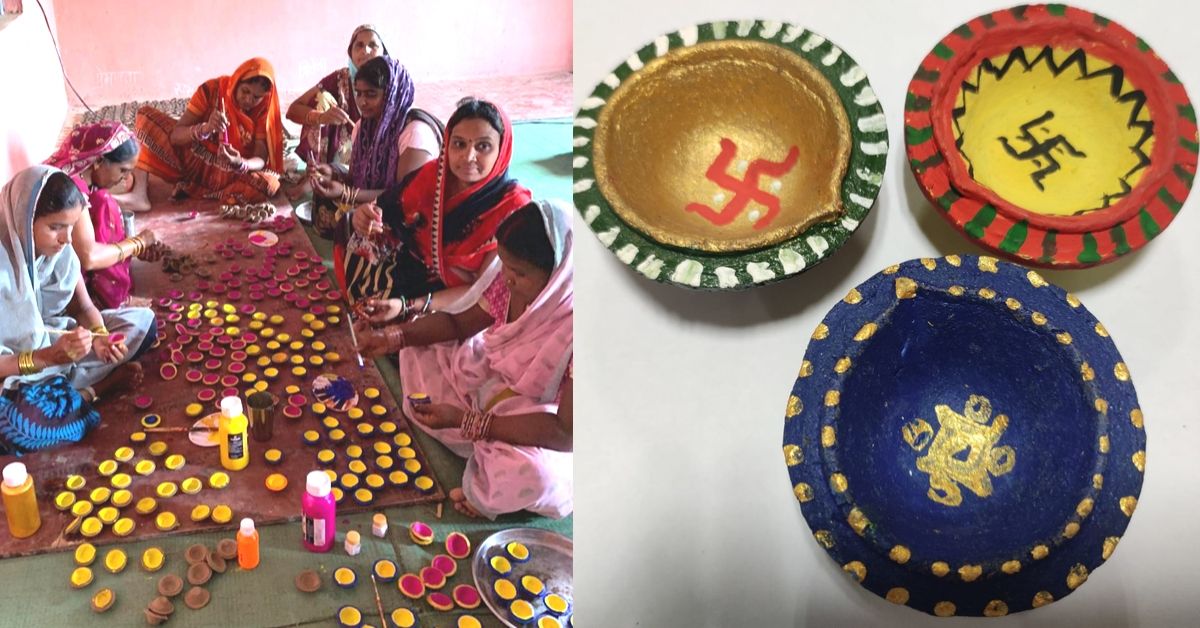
(313, 118)
(25, 363)
(99, 330)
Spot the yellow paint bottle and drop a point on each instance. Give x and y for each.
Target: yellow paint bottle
(20, 501)
(234, 446)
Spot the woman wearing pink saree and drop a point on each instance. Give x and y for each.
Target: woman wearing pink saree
(501, 398)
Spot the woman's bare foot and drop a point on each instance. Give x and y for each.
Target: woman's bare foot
(461, 504)
(125, 377)
(139, 302)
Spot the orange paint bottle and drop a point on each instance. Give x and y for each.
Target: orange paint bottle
(247, 544)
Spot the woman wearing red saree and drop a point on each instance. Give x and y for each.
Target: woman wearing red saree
(227, 146)
(98, 157)
(428, 240)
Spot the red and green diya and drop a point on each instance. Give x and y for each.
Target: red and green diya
(1051, 135)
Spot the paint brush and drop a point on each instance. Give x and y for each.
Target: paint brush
(354, 339)
(59, 332)
(194, 428)
(378, 602)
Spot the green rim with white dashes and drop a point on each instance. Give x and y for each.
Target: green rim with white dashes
(692, 268)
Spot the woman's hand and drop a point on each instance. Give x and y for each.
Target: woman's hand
(108, 351)
(235, 158)
(335, 116)
(382, 310)
(327, 187)
(217, 122)
(70, 347)
(372, 342)
(154, 248)
(439, 416)
(367, 219)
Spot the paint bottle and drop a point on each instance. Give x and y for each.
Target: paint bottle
(317, 513)
(20, 501)
(235, 450)
(247, 545)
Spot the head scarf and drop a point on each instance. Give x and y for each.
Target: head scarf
(87, 144)
(350, 47)
(266, 114)
(375, 155)
(31, 289)
(532, 352)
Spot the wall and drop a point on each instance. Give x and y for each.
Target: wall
(121, 50)
(34, 105)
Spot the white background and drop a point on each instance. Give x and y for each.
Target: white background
(684, 511)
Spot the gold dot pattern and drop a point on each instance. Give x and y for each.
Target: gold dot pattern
(1103, 445)
(944, 609)
(828, 436)
(969, 573)
(995, 608)
(940, 568)
(1087, 372)
(929, 263)
(793, 455)
(1042, 598)
(954, 260)
(987, 264)
(1077, 576)
(853, 296)
(987, 293)
(832, 397)
(1139, 460)
(824, 537)
(803, 492)
(1128, 505)
(866, 332)
(821, 332)
(897, 595)
(858, 521)
(1121, 372)
(1064, 338)
(957, 291)
(1012, 304)
(900, 554)
(1110, 544)
(1011, 567)
(1073, 301)
(1101, 331)
(1035, 279)
(1038, 318)
(842, 365)
(1135, 416)
(1085, 507)
(1039, 552)
(905, 288)
(837, 482)
(856, 569)
(1071, 530)
(806, 368)
(1101, 405)
(891, 270)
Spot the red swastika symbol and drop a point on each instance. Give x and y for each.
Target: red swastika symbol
(745, 189)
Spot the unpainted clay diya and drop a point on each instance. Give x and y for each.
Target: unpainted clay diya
(729, 193)
(227, 549)
(195, 554)
(308, 581)
(1051, 135)
(199, 573)
(196, 598)
(940, 401)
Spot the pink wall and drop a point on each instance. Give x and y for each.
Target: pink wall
(121, 50)
(34, 104)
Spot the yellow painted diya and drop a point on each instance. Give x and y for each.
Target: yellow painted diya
(1051, 135)
(729, 154)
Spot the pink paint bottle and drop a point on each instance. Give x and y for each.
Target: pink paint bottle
(318, 513)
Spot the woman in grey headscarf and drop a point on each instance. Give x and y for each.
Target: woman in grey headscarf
(58, 352)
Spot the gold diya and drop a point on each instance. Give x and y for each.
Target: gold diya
(729, 154)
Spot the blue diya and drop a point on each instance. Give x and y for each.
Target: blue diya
(335, 392)
(964, 438)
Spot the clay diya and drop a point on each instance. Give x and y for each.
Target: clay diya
(466, 596)
(345, 577)
(440, 601)
(1051, 135)
(505, 589)
(458, 545)
(729, 192)
(411, 586)
(976, 394)
(196, 598)
(384, 570)
(432, 577)
(557, 604)
(308, 581)
(403, 618)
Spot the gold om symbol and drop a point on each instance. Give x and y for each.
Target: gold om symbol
(963, 450)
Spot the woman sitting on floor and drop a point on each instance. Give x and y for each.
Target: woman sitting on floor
(501, 399)
(227, 146)
(56, 352)
(392, 139)
(98, 157)
(428, 239)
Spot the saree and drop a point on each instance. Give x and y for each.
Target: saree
(109, 287)
(44, 409)
(430, 241)
(331, 144)
(511, 368)
(199, 169)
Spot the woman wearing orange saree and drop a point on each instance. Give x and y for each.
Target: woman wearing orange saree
(228, 145)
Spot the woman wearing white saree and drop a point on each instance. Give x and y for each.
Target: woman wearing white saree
(58, 353)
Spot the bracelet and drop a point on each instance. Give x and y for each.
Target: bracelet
(349, 194)
(198, 132)
(99, 330)
(312, 118)
(25, 363)
(395, 338)
(428, 301)
(476, 425)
